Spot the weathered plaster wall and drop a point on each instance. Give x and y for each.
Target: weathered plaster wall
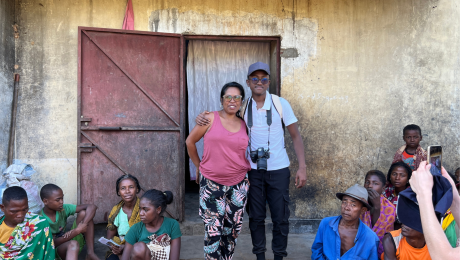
(364, 69)
(6, 76)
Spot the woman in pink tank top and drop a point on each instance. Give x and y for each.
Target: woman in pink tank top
(224, 184)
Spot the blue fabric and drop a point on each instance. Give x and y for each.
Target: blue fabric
(327, 242)
(408, 211)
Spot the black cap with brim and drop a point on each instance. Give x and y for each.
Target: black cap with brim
(340, 196)
(408, 213)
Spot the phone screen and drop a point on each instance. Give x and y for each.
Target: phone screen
(435, 158)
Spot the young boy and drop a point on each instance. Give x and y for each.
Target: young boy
(23, 235)
(411, 153)
(68, 244)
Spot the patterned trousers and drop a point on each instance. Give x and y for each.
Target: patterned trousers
(222, 208)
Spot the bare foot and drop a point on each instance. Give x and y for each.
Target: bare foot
(92, 256)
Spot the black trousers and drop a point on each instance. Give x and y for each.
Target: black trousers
(271, 187)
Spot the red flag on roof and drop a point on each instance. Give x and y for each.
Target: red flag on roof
(128, 22)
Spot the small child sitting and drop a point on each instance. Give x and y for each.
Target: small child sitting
(411, 153)
(68, 244)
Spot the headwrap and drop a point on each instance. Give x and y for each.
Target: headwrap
(135, 218)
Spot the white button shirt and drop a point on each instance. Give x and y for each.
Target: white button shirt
(259, 136)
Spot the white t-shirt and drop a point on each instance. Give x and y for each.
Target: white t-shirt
(259, 137)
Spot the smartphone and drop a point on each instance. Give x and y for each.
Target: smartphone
(435, 158)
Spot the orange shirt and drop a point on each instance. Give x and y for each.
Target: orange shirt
(5, 232)
(407, 252)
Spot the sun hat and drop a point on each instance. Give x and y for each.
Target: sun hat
(358, 192)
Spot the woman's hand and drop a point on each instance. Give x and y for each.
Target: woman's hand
(374, 198)
(118, 250)
(197, 176)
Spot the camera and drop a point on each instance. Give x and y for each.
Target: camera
(260, 155)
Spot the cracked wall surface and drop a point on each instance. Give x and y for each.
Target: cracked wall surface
(356, 73)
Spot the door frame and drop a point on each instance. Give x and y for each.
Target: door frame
(275, 87)
(182, 124)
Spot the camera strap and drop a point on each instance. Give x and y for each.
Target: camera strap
(250, 122)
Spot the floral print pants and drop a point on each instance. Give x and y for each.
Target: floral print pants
(222, 208)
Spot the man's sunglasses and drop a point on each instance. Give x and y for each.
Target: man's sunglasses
(230, 97)
(256, 80)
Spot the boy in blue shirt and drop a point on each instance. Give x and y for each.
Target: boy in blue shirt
(346, 237)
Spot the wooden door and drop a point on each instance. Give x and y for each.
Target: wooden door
(131, 114)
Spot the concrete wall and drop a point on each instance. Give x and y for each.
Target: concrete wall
(364, 70)
(6, 76)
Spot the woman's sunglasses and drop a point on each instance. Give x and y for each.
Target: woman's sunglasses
(230, 97)
(256, 80)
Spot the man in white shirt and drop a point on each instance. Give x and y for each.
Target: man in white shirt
(270, 185)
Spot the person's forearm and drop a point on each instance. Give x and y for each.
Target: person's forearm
(436, 240)
(375, 215)
(61, 240)
(299, 150)
(175, 249)
(193, 154)
(111, 233)
(90, 212)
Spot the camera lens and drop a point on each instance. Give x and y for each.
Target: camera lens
(262, 164)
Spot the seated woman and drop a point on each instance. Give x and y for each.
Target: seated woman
(155, 237)
(123, 215)
(382, 215)
(224, 186)
(397, 181)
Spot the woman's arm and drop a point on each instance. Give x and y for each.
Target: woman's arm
(111, 233)
(127, 251)
(374, 197)
(118, 250)
(174, 254)
(195, 135)
(439, 247)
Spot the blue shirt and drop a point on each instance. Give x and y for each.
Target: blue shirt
(327, 242)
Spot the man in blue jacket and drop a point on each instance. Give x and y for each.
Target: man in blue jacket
(346, 237)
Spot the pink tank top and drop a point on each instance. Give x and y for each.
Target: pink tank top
(224, 156)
